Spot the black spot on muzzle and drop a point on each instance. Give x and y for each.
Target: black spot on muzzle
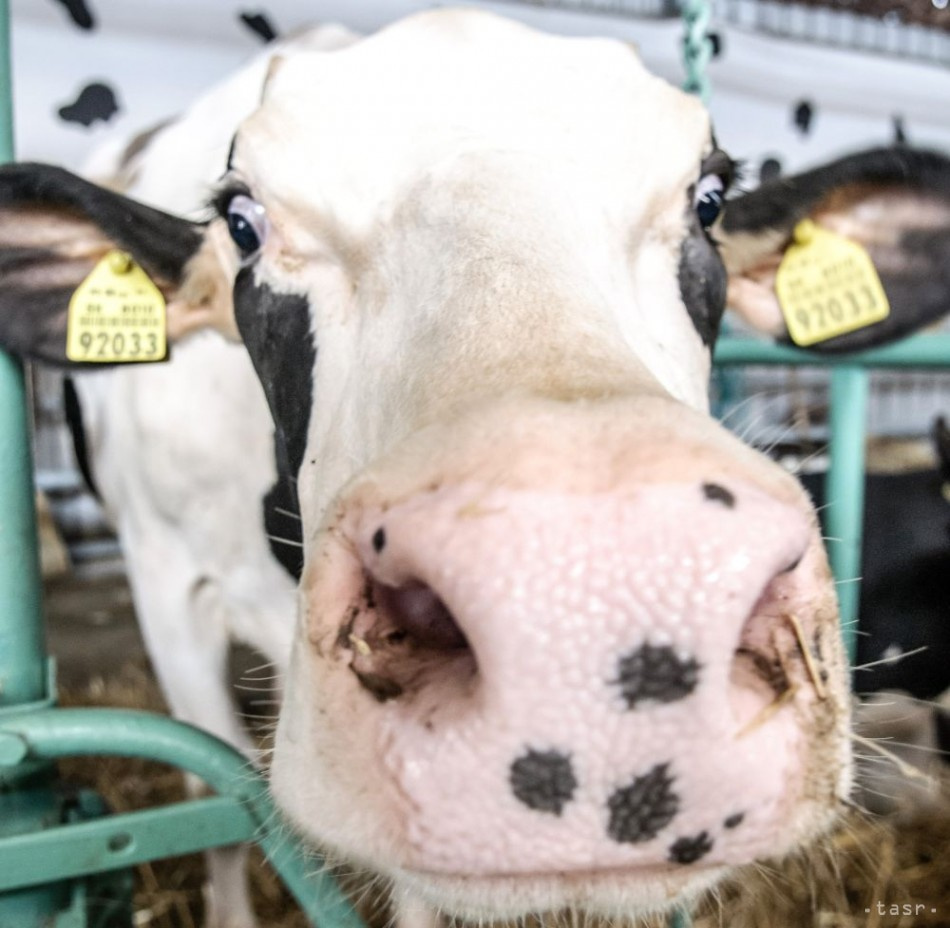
(655, 673)
(689, 850)
(639, 812)
(734, 820)
(543, 780)
(379, 539)
(716, 493)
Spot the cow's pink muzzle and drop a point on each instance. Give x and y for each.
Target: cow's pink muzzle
(577, 683)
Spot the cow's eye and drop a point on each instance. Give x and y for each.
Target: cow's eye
(708, 199)
(247, 223)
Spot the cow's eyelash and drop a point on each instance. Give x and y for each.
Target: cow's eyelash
(222, 196)
(720, 164)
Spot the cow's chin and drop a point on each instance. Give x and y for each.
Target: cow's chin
(612, 895)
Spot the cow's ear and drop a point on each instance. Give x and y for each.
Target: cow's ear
(54, 229)
(895, 202)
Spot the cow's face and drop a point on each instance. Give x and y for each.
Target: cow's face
(508, 228)
(554, 621)
(563, 642)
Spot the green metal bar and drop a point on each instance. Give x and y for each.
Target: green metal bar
(27, 801)
(844, 484)
(680, 919)
(51, 734)
(22, 649)
(697, 47)
(916, 351)
(6, 86)
(119, 841)
(844, 490)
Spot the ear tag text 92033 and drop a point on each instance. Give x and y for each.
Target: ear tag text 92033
(827, 285)
(116, 315)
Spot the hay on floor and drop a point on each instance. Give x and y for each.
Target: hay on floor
(868, 874)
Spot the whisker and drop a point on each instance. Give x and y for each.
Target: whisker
(286, 541)
(906, 769)
(896, 659)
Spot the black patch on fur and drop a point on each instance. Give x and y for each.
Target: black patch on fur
(275, 328)
(543, 780)
(260, 25)
(689, 850)
(96, 103)
(905, 558)
(802, 116)
(655, 673)
(640, 811)
(73, 410)
(702, 278)
(942, 725)
(734, 820)
(79, 13)
(900, 132)
(770, 169)
(282, 524)
(941, 439)
(717, 493)
(379, 539)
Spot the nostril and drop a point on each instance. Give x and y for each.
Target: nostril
(792, 566)
(759, 674)
(420, 614)
(404, 641)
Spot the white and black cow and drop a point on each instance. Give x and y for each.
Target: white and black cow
(903, 645)
(562, 641)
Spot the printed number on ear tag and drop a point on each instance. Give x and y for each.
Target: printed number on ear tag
(116, 315)
(827, 285)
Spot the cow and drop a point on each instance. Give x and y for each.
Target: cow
(905, 565)
(902, 671)
(562, 642)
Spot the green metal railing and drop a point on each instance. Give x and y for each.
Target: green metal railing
(844, 484)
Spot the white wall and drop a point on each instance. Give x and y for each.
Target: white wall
(157, 53)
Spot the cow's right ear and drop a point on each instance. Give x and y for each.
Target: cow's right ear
(55, 227)
(892, 202)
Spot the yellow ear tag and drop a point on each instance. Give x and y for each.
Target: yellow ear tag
(827, 285)
(116, 315)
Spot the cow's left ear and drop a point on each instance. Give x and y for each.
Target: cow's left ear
(55, 227)
(895, 202)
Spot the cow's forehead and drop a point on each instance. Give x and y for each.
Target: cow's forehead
(347, 131)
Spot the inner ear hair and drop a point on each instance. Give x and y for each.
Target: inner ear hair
(204, 299)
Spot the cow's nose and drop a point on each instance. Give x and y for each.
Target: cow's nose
(605, 680)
